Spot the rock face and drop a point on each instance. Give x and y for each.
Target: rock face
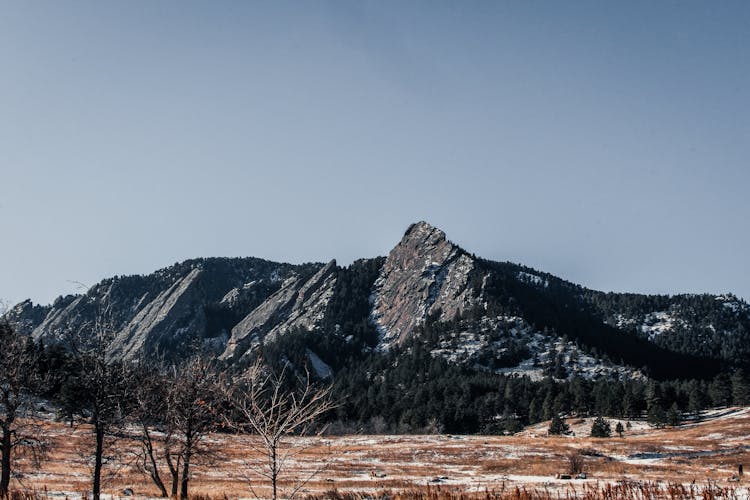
(26, 316)
(424, 275)
(299, 304)
(171, 314)
(163, 312)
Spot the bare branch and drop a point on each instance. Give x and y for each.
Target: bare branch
(264, 407)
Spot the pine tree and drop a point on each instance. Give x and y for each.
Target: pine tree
(601, 428)
(721, 390)
(619, 429)
(740, 388)
(547, 406)
(674, 416)
(697, 399)
(558, 426)
(656, 415)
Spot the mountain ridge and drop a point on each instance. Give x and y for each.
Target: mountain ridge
(489, 315)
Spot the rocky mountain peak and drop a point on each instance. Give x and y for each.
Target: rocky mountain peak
(422, 231)
(424, 275)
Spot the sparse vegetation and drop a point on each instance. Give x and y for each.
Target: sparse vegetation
(625, 490)
(135, 419)
(464, 465)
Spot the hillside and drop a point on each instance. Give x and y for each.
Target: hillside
(464, 338)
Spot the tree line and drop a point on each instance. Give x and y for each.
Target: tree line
(408, 390)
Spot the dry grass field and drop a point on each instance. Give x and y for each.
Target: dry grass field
(697, 459)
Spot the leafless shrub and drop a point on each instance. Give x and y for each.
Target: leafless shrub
(575, 463)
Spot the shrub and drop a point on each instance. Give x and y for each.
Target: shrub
(619, 429)
(575, 463)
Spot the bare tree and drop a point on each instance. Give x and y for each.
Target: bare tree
(279, 415)
(192, 410)
(18, 377)
(150, 415)
(575, 462)
(174, 408)
(99, 391)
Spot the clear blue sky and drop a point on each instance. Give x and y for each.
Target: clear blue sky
(605, 142)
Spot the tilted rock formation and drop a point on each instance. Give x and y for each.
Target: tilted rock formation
(26, 316)
(170, 315)
(298, 304)
(159, 313)
(424, 275)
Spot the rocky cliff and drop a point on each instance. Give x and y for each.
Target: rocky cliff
(298, 305)
(425, 275)
(167, 312)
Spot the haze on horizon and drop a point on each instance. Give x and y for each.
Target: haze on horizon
(603, 142)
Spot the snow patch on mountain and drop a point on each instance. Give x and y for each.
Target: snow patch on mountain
(532, 279)
(657, 323)
(488, 344)
(733, 303)
(322, 369)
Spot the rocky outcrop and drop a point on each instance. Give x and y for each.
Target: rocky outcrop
(162, 312)
(171, 316)
(425, 275)
(26, 316)
(299, 304)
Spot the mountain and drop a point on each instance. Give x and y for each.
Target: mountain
(168, 312)
(428, 295)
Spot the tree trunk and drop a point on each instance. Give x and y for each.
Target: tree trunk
(154, 473)
(185, 476)
(274, 470)
(174, 470)
(6, 450)
(186, 465)
(98, 461)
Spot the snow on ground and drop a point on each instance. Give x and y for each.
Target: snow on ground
(656, 323)
(707, 449)
(733, 303)
(322, 370)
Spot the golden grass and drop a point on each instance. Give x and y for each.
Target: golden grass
(429, 467)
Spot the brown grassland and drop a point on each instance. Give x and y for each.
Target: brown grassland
(695, 460)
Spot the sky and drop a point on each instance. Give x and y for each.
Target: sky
(604, 142)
